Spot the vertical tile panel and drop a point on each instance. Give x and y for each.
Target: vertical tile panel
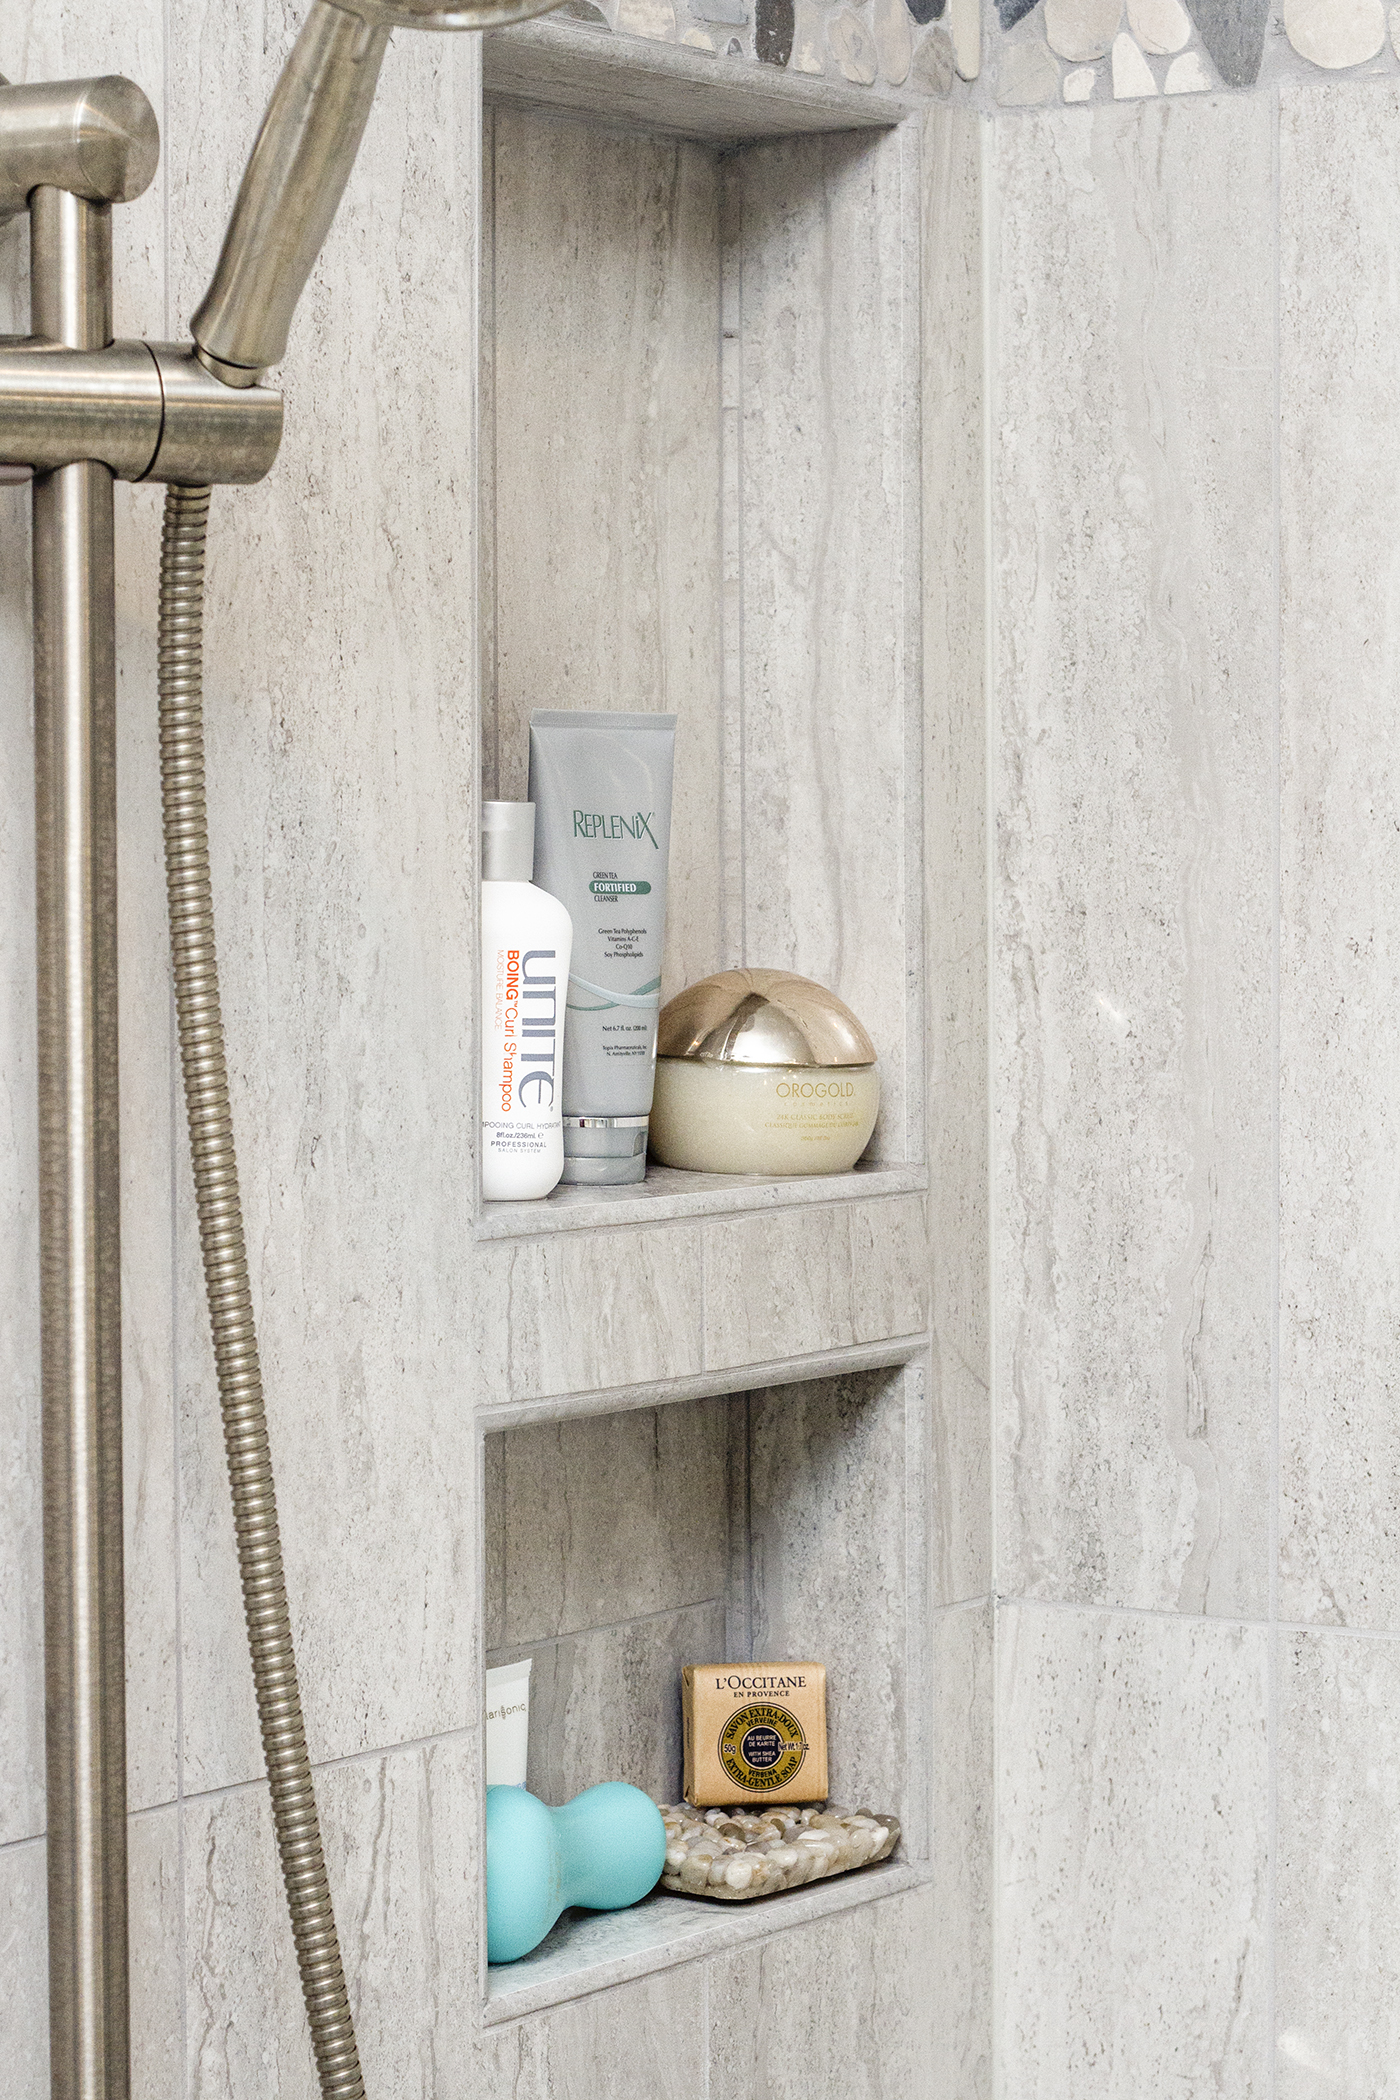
(642, 2041)
(24, 1964)
(828, 1555)
(606, 427)
(156, 1932)
(1338, 1868)
(1132, 1845)
(342, 649)
(613, 1516)
(824, 433)
(840, 2008)
(955, 821)
(1340, 936)
(962, 1851)
(1133, 886)
(401, 1857)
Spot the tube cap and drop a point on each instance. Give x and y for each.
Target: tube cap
(607, 1151)
(507, 841)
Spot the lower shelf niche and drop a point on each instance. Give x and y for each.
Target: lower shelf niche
(755, 1527)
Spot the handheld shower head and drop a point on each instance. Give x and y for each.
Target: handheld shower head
(299, 166)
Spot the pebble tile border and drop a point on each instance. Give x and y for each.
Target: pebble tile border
(1014, 54)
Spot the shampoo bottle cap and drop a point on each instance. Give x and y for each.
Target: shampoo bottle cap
(507, 841)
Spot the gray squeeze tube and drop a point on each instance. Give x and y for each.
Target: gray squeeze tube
(601, 786)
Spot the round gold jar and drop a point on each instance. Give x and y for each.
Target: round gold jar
(762, 1072)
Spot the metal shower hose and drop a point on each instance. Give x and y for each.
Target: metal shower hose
(195, 968)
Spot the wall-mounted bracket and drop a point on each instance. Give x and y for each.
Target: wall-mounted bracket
(147, 411)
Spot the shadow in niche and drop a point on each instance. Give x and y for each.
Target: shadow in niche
(764, 1526)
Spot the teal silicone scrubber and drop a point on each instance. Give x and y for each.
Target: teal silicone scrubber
(602, 1850)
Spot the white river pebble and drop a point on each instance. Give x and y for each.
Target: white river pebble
(740, 1853)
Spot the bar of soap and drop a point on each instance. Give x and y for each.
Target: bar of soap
(733, 1856)
(754, 1733)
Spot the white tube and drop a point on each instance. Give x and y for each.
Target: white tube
(601, 786)
(508, 1723)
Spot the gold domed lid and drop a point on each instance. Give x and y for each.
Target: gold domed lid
(762, 1017)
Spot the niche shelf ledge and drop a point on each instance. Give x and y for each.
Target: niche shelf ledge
(646, 85)
(590, 1951)
(670, 1192)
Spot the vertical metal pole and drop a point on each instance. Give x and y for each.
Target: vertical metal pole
(80, 1288)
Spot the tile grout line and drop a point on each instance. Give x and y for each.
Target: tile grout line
(1276, 1187)
(1320, 1629)
(376, 1754)
(581, 1633)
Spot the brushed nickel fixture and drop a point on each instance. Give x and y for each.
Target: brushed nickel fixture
(78, 411)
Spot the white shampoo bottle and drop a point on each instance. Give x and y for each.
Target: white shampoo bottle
(526, 936)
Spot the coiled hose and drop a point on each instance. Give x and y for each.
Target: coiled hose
(195, 968)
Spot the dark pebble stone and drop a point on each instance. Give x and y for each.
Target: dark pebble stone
(1010, 12)
(773, 27)
(1233, 32)
(926, 10)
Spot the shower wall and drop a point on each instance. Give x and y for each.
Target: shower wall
(341, 649)
(1161, 639)
(1191, 1654)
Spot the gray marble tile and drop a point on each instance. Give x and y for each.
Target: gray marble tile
(1132, 1846)
(827, 442)
(610, 1517)
(606, 403)
(583, 1311)
(1133, 885)
(793, 1284)
(889, 1273)
(401, 1856)
(342, 765)
(842, 2007)
(962, 1850)
(642, 2041)
(828, 1566)
(955, 808)
(1340, 917)
(956, 813)
(606, 1704)
(24, 1963)
(156, 1941)
(493, 1600)
(21, 1534)
(1338, 1873)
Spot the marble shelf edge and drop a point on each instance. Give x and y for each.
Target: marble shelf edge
(641, 83)
(890, 1354)
(665, 1931)
(669, 1194)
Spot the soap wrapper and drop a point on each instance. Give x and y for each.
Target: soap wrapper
(753, 1732)
(507, 1723)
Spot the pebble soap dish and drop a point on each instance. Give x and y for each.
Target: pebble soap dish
(733, 1855)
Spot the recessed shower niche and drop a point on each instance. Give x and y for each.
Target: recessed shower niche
(777, 1524)
(700, 437)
